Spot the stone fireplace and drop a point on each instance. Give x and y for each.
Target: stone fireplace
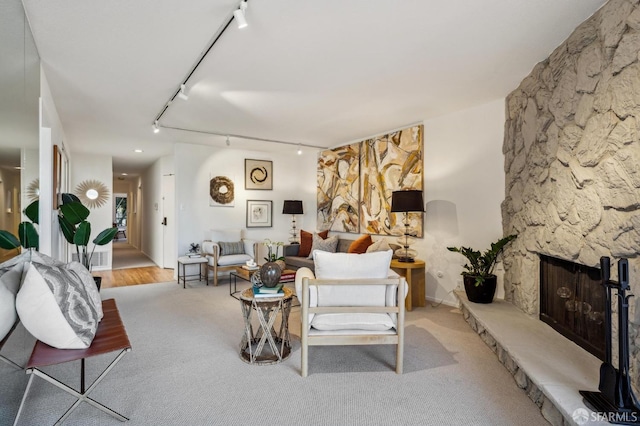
(572, 302)
(572, 158)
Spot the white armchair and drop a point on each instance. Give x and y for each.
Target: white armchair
(353, 299)
(226, 249)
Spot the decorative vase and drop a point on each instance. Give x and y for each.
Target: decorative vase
(270, 274)
(281, 264)
(484, 292)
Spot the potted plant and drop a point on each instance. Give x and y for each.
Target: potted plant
(72, 217)
(27, 234)
(479, 280)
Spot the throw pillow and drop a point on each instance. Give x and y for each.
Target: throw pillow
(380, 245)
(360, 245)
(330, 244)
(227, 248)
(9, 283)
(306, 241)
(59, 304)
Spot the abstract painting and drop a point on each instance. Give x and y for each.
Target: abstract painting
(258, 174)
(338, 188)
(390, 163)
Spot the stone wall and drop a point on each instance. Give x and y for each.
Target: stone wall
(572, 155)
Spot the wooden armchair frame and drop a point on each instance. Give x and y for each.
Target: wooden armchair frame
(216, 255)
(361, 337)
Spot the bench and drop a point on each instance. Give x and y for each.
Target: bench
(111, 336)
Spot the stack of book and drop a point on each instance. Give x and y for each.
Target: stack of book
(288, 276)
(250, 268)
(268, 291)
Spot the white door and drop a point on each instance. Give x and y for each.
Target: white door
(169, 224)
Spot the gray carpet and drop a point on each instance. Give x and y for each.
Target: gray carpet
(125, 256)
(185, 370)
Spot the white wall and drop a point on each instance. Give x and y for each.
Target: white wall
(52, 242)
(150, 208)
(294, 177)
(464, 187)
(97, 167)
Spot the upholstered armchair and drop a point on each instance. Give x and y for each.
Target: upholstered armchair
(352, 299)
(226, 249)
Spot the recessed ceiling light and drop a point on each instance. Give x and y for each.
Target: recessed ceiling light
(137, 150)
(18, 168)
(125, 174)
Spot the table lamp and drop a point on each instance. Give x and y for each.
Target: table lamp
(405, 201)
(293, 207)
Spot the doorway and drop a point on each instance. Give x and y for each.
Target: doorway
(120, 215)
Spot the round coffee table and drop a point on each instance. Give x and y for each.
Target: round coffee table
(265, 345)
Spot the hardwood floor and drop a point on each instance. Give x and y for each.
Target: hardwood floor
(134, 276)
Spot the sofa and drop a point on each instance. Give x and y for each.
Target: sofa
(295, 262)
(360, 245)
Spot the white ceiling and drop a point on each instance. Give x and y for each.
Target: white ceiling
(321, 73)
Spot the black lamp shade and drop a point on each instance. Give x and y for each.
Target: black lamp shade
(292, 207)
(409, 200)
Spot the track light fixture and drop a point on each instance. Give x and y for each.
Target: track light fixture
(299, 149)
(228, 141)
(239, 15)
(182, 94)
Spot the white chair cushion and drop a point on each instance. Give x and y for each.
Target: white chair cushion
(59, 304)
(228, 235)
(352, 266)
(233, 259)
(248, 247)
(372, 322)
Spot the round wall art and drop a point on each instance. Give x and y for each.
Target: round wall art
(92, 193)
(33, 190)
(221, 191)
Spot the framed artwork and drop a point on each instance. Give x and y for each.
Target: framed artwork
(258, 174)
(259, 213)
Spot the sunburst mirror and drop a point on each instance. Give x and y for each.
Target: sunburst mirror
(33, 190)
(92, 193)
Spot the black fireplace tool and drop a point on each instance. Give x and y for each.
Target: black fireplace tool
(615, 398)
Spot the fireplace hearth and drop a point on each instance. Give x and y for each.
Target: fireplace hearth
(572, 301)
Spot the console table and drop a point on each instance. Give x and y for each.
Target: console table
(414, 274)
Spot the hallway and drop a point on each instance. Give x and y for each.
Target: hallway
(132, 267)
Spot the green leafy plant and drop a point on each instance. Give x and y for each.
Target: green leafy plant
(481, 264)
(72, 217)
(27, 233)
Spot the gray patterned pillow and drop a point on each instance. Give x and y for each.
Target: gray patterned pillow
(329, 244)
(227, 248)
(59, 304)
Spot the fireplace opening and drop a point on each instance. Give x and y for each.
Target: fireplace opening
(572, 301)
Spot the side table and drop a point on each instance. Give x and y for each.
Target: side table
(267, 310)
(414, 274)
(202, 264)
